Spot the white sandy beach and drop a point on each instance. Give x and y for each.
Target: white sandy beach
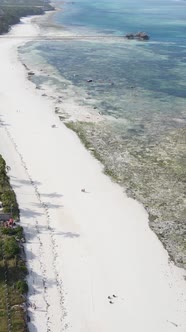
(81, 247)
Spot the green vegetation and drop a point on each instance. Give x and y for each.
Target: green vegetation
(13, 269)
(22, 286)
(7, 196)
(11, 248)
(12, 284)
(8, 200)
(11, 11)
(18, 231)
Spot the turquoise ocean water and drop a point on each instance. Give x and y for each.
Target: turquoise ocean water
(137, 81)
(139, 88)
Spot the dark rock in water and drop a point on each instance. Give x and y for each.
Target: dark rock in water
(61, 118)
(142, 36)
(25, 66)
(138, 36)
(129, 36)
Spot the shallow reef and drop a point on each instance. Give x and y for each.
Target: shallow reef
(152, 172)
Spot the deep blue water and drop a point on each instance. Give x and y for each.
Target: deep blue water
(163, 20)
(157, 66)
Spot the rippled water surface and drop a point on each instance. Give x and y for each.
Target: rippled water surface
(139, 90)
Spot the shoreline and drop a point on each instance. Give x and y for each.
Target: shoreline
(168, 224)
(80, 236)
